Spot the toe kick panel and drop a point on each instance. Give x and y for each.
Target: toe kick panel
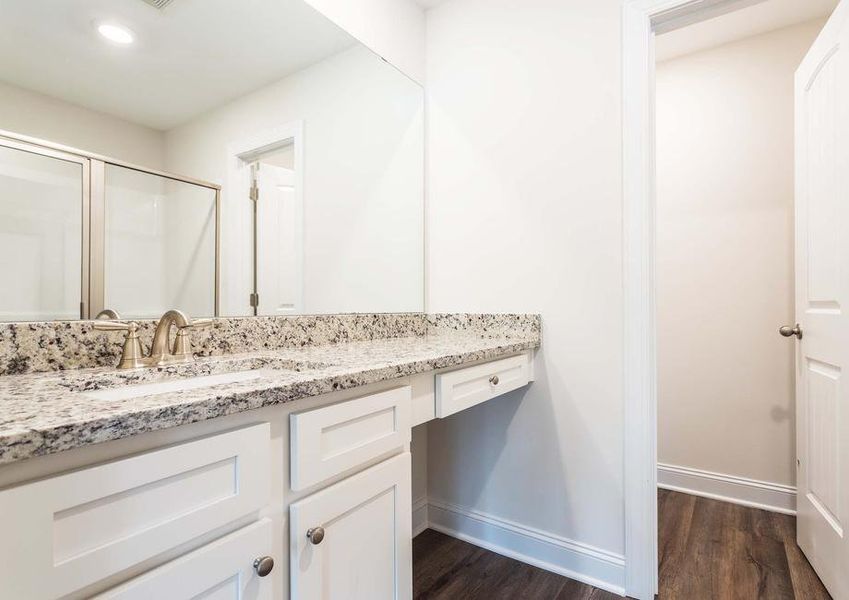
(464, 388)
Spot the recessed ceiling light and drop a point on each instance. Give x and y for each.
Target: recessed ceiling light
(116, 33)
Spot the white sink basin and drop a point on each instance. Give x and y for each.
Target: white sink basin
(127, 392)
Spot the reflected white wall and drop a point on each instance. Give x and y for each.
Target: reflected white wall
(363, 179)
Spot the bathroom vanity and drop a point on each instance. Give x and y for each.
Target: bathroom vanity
(278, 473)
(258, 168)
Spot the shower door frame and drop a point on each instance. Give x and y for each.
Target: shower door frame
(93, 165)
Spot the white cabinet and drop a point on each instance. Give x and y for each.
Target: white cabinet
(145, 518)
(331, 440)
(221, 570)
(463, 388)
(366, 550)
(76, 529)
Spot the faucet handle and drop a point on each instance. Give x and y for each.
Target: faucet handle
(182, 345)
(198, 324)
(132, 356)
(112, 325)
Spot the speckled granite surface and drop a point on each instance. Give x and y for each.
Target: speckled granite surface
(61, 345)
(487, 324)
(45, 413)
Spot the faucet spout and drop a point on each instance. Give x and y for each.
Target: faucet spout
(159, 349)
(161, 353)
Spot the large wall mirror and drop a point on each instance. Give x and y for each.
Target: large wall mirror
(219, 157)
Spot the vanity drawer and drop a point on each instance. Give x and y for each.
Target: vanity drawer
(463, 388)
(76, 529)
(330, 440)
(221, 569)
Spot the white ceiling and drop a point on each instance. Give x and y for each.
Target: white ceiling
(753, 20)
(188, 58)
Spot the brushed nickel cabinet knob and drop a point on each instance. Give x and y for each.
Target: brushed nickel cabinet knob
(494, 380)
(263, 565)
(788, 331)
(315, 535)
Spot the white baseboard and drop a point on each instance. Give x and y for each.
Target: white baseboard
(728, 488)
(575, 560)
(420, 520)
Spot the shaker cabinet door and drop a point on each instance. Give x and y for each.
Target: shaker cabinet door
(353, 540)
(235, 567)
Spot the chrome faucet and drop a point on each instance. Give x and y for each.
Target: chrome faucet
(132, 356)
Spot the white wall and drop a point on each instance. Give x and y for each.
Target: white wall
(363, 205)
(525, 214)
(725, 256)
(395, 29)
(36, 115)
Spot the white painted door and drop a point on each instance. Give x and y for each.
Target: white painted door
(222, 570)
(822, 303)
(279, 241)
(366, 550)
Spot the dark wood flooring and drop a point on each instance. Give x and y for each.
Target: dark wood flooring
(446, 568)
(708, 550)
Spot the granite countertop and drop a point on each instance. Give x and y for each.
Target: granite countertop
(49, 412)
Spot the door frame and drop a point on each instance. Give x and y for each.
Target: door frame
(641, 20)
(240, 153)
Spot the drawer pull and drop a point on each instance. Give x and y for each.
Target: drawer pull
(494, 380)
(263, 565)
(315, 535)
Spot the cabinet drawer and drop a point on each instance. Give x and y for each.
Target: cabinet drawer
(463, 388)
(330, 440)
(76, 529)
(366, 548)
(220, 570)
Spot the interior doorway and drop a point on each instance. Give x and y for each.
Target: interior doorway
(724, 218)
(643, 21)
(263, 225)
(277, 233)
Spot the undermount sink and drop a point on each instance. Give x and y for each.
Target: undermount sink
(127, 392)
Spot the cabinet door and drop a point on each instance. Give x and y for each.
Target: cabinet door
(366, 552)
(84, 526)
(221, 570)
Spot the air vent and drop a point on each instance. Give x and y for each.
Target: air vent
(160, 4)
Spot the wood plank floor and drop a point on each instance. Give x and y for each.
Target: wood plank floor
(708, 550)
(445, 568)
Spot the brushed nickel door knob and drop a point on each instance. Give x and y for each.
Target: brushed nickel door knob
(263, 565)
(315, 535)
(788, 331)
(494, 380)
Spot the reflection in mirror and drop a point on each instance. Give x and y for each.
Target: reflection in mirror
(232, 158)
(159, 244)
(41, 262)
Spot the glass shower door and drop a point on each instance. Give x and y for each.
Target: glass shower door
(159, 244)
(43, 262)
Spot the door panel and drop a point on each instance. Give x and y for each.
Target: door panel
(221, 570)
(822, 299)
(822, 423)
(366, 553)
(279, 242)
